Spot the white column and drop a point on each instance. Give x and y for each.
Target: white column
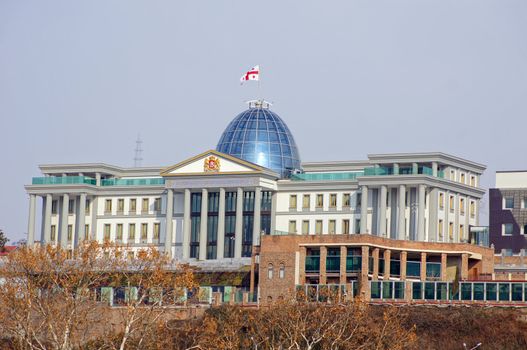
(238, 233)
(401, 225)
(257, 215)
(47, 219)
(168, 230)
(97, 179)
(382, 211)
(421, 213)
(220, 244)
(31, 221)
(186, 225)
(93, 213)
(64, 221)
(81, 220)
(364, 210)
(203, 225)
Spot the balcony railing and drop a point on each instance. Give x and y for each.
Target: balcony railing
(133, 182)
(63, 180)
(327, 176)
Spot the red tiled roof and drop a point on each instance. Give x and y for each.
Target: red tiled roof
(7, 249)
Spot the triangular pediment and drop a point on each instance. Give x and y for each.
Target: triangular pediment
(212, 163)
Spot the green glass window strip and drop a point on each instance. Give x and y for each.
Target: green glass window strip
(375, 290)
(133, 182)
(333, 264)
(326, 176)
(63, 180)
(353, 263)
(413, 269)
(312, 263)
(433, 270)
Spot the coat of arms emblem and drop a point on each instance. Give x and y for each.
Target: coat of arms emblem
(211, 164)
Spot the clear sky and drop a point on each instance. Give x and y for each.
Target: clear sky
(80, 79)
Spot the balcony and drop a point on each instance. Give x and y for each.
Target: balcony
(63, 180)
(327, 176)
(384, 171)
(133, 182)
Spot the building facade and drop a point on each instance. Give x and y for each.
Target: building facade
(252, 204)
(508, 212)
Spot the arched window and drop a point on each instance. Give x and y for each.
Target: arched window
(270, 271)
(281, 273)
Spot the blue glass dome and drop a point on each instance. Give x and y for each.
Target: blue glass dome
(260, 136)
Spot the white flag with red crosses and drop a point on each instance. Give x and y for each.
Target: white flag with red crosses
(252, 74)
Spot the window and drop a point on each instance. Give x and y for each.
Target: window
(508, 203)
(107, 232)
(87, 208)
(292, 201)
(451, 203)
(332, 225)
(53, 233)
(461, 232)
(318, 227)
(524, 229)
(292, 226)
(472, 209)
(157, 204)
(462, 180)
(281, 273)
(506, 229)
(333, 200)
(71, 206)
(54, 207)
(440, 228)
(306, 199)
(133, 205)
(462, 206)
(87, 232)
(359, 200)
(441, 201)
(144, 232)
(270, 271)
(70, 233)
(357, 225)
(108, 206)
(346, 200)
(144, 207)
(524, 203)
(119, 233)
(345, 226)
(451, 231)
(320, 201)
(473, 181)
(120, 205)
(452, 175)
(305, 227)
(131, 232)
(156, 231)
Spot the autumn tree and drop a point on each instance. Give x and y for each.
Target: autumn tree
(3, 240)
(52, 299)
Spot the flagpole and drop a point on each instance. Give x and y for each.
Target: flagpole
(259, 78)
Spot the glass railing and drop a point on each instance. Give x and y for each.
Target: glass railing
(133, 182)
(312, 263)
(63, 180)
(373, 171)
(326, 176)
(333, 264)
(353, 263)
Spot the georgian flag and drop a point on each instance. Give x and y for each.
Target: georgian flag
(252, 74)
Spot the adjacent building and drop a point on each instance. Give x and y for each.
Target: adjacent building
(508, 212)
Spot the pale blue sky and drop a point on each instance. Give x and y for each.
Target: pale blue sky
(80, 79)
